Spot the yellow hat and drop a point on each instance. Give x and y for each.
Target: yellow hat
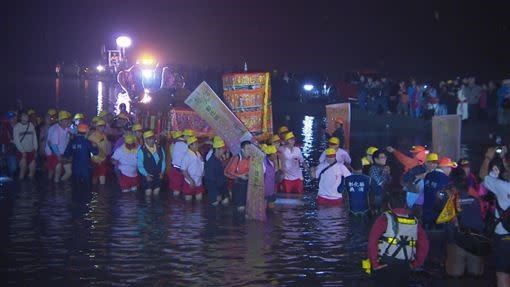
(192, 140)
(30, 112)
(364, 161)
(148, 134)
(432, 157)
(129, 139)
(79, 116)
(189, 133)
(218, 142)
(330, 152)
(52, 112)
(334, 141)
(283, 129)
(63, 115)
(95, 119)
(176, 134)
(102, 114)
(137, 128)
(100, 122)
(263, 147)
(289, 136)
(371, 150)
(275, 138)
(270, 149)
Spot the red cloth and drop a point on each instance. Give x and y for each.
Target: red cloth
(379, 228)
(127, 182)
(329, 202)
(51, 162)
(175, 179)
(188, 190)
(100, 169)
(30, 156)
(410, 162)
(292, 186)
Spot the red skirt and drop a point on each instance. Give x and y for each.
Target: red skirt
(188, 190)
(100, 169)
(127, 182)
(329, 202)
(289, 186)
(30, 156)
(51, 162)
(175, 179)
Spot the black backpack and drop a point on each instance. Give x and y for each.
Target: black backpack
(504, 217)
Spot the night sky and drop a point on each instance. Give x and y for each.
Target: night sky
(429, 38)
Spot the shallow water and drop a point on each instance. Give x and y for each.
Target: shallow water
(54, 235)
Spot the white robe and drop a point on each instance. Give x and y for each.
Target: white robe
(462, 106)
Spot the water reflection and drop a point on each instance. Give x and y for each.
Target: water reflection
(57, 92)
(100, 97)
(307, 134)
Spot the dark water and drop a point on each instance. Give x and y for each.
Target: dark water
(53, 235)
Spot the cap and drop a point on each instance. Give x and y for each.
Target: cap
(270, 149)
(176, 134)
(83, 128)
(129, 139)
(100, 122)
(148, 134)
(432, 157)
(30, 112)
(339, 120)
(418, 148)
(218, 142)
(364, 161)
(334, 141)
(191, 140)
(283, 129)
(330, 152)
(275, 138)
(79, 116)
(188, 133)
(137, 128)
(289, 135)
(52, 112)
(447, 162)
(63, 115)
(371, 150)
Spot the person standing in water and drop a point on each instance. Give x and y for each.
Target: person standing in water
(292, 159)
(25, 139)
(151, 164)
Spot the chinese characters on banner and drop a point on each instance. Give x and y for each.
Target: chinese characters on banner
(446, 135)
(339, 110)
(204, 101)
(256, 203)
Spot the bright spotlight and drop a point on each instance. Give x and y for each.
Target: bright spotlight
(100, 68)
(123, 42)
(148, 74)
(308, 87)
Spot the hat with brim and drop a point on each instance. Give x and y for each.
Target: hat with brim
(334, 141)
(289, 136)
(446, 162)
(218, 142)
(191, 140)
(330, 153)
(148, 134)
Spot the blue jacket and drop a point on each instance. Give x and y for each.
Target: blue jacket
(80, 150)
(435, 182)
(358, 187)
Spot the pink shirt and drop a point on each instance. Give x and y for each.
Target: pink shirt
(291, 160)
(59, 137)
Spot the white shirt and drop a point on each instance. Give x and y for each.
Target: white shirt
(194, 165)
(57, 136)
(27, 133)
(127, 161)
(331, 179)
(501, 189)
(179, 150)
(341, 157)
(291, 160)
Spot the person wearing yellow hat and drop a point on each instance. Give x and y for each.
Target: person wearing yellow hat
(24, 138)
(178, 149)
(330, 175)
(215, 181)
(292, 159)
(418, 158)
(151, 164)
(125, 160)
(193, 170)
(339, 131)
(431, 161)
(275, 140)
(367, 161)
(436, 183)
(99, 161)
(187, 133)
(282, 131)
(342, 156)
(270, 167)
(56, 144)
(237, 170)
(77, 120)
(32, 116)
(79, 151)
(137, 130)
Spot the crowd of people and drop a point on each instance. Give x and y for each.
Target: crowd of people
(72, 148)
(464, 97)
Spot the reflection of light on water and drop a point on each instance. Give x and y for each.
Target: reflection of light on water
(307, 135)
(99, 97)
(122, 98)
(57, 91)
